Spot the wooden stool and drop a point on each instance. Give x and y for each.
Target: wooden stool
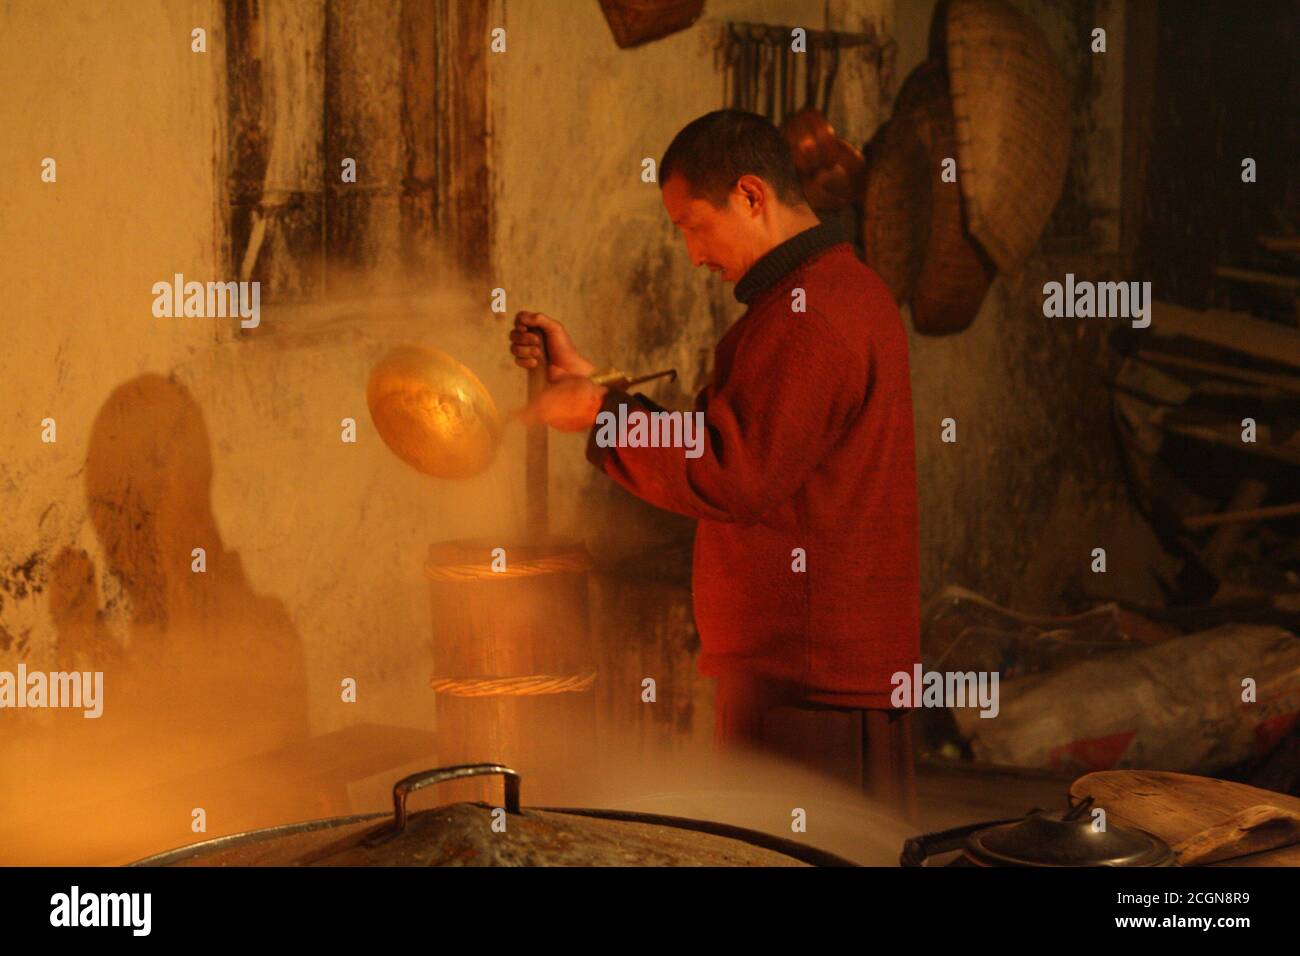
(878, 752)
(865, 747)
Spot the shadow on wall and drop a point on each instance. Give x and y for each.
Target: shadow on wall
(204, 648)
(205, 701)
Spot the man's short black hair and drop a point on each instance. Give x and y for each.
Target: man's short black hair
(711, 153)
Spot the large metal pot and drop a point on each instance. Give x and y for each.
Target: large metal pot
(477, 834)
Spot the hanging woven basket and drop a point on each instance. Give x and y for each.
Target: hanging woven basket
(955, 274)
(914, 233)
(634, 22)
(896, 207)
(1011, 105)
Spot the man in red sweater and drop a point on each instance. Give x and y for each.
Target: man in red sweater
(806, 576)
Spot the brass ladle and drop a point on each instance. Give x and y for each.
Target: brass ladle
(434, 413)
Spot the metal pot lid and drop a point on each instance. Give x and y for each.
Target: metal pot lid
(1068, 839)
(477, 834)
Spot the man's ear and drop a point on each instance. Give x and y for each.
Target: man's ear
(754, 191)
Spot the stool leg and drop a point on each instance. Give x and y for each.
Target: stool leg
(741, 702)
(888, 770)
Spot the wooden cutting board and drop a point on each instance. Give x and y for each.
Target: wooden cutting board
(1175, 806)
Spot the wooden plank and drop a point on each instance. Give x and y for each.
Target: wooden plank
(419, 175)
(1235, 331)
(1178, 806)
(1257, 277)
(1286, 383)
(463, 118)
(363, 121)
(1238, 390)
(1229, 436)
(1250, 831)
(1252, 514)
(1285, 244)
(1226, 538)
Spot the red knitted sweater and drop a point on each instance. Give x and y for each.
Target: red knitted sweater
(808, 448)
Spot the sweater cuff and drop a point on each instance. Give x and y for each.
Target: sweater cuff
(597, 454)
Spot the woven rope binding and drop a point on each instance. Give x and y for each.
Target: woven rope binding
(512, 686)
(482, 571)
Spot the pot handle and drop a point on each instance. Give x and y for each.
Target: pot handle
(425, 778)
(916, 849)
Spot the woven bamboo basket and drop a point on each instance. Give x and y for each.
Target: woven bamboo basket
(896, 207)
(1011, 105)
(914, 232)
(955, 273)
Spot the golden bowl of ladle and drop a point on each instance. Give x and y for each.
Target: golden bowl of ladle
(433, 412)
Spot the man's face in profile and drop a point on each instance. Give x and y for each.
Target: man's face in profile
(717, 238)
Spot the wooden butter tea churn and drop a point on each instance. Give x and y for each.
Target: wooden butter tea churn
(514, 672)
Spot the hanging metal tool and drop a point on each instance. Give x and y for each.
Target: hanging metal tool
(768, 53)
(784, 79)
(812, 74)
(762, 71)
(834, 43)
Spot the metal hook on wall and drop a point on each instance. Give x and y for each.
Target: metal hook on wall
(830, 75)
(812, 75)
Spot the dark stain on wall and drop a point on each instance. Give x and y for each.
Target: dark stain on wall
(21, 580)
(24, 578)
(663, 295)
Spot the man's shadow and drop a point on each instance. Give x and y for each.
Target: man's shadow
(210, 673)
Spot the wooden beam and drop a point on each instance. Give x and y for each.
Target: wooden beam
(1285, 383)
(1249, 514)
(1226, 537)
(419, 134)
(1234, 331)
(1257, 277)
(462, 115)
(1285, 244)
(1229, 436)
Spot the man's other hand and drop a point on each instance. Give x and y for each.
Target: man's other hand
(526, 346)
(569, 405)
